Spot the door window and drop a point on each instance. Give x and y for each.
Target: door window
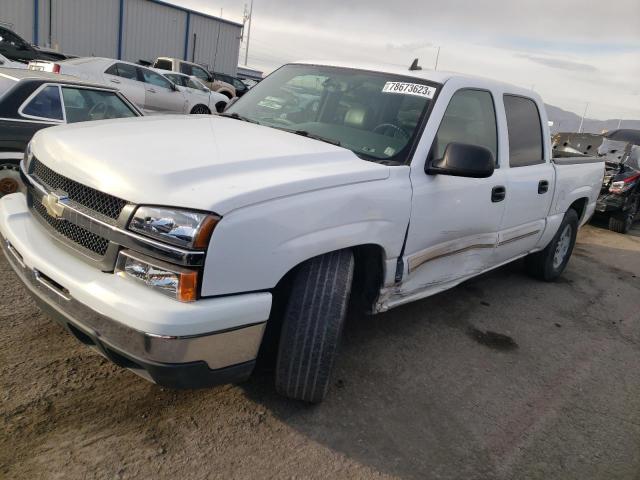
(81, 105)
(200, 73)
(154, 78)
(46, 104)
(123, 70)
(525, 131)
(470, 118)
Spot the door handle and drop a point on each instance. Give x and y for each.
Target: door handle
(115, 81)
(543, 187)
(151, 90)
(498, 194)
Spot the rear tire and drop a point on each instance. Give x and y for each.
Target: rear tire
(312, 326)
(548, 264)
(623, 221)
(200, 110)
(10, 181)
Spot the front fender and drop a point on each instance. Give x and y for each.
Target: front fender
(254, 247)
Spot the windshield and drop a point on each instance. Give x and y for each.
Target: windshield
(375, 115)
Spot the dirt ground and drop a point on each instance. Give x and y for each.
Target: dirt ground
(419, 392)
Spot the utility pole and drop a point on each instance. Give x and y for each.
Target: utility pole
(249, 17)
(584, 114)
(437, 58)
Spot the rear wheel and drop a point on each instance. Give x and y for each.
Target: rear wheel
(9, 177)
(548, 264)
(623, 221)
(200, 110)
(312, 326)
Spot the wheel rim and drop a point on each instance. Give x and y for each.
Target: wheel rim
(562, 247)
(9, 179)
(200, 110)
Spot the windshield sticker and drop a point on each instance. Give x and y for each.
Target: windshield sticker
(409, 89)
(389, 151)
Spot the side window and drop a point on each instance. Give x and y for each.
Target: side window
(470, 118)
(46, 104)
(123, 70)
(525, 131)
(200, 73)
(154, 78)
(82, 105)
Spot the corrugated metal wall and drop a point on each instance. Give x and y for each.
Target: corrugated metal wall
(216, 44)
(19, 13)
(150, 29)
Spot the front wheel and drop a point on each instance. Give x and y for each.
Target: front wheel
(10, 181)
(548, 264)
(312, 326)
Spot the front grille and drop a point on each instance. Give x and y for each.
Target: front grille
(104, 204)
(78, 235)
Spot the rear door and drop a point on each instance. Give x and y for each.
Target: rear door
(530, 179)
(124, 77)
(160, 97)
(455, 220)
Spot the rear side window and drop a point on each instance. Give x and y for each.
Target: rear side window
(525, 131)
(163, 64)
(46, 104)
(470, 118)
(83, 105)
(123, 70)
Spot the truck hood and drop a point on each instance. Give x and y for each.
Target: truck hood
(200, 162)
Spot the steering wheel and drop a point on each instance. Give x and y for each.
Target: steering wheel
(99, 110)
(385, 126)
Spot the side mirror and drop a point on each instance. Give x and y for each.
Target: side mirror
(174, 87)
(463, 160)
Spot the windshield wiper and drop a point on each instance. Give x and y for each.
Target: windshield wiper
(235, 116)
(307, 134)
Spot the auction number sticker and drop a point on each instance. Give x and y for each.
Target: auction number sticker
(409, 89)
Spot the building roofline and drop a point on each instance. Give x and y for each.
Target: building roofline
(195, 12)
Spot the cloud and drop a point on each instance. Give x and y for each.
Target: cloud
(562, 64)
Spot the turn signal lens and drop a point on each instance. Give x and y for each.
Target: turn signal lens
(171, 280)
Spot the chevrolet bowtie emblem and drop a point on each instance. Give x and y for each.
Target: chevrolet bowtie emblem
(54, 204)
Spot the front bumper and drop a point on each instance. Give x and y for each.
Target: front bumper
(209, 342)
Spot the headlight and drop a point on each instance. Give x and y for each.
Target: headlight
(181, 228)
(173, 281)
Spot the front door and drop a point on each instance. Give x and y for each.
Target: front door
(455, 220)
(160, 97)
(124, 77)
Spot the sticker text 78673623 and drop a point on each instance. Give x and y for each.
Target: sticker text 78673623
(409, 89)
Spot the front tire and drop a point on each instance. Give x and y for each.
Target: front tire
(312, 326)
(548, 264)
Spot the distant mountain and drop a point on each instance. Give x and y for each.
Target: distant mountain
(564, 121)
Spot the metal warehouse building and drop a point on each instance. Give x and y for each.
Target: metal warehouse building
(126, 29)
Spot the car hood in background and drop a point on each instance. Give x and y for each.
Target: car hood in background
(202, 162)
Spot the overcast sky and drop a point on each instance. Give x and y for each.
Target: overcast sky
(569, 51)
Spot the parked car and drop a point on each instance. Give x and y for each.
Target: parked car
(148, 89)
(620, 195)
(200, 99)
(193, 69)
(31, 101)
(177, 242)
(17, 50)
(239, 85)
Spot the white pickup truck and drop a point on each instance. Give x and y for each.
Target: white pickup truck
(171, 244)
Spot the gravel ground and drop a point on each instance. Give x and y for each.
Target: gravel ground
(419, 392)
